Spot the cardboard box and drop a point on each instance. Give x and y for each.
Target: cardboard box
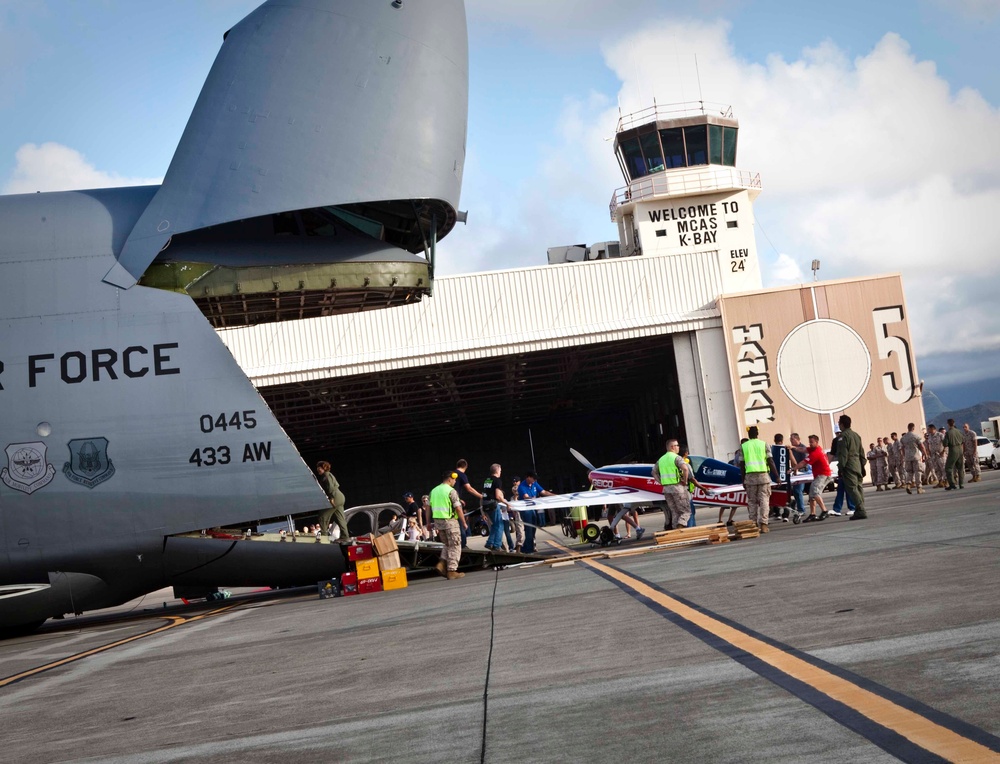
(360, 552)
(367, 568)
(348, 584)
(369, 585)
(394, 579)
(384, 544)
(389, 561)
(328, 589)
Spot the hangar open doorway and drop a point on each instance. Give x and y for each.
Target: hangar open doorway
(392, 431)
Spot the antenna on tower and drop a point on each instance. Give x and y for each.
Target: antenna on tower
(697, 73)
(638, 81)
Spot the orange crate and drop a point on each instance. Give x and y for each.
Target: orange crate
(394, 579)
(367, 568)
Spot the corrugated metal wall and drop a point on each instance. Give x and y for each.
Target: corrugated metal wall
(488, 314)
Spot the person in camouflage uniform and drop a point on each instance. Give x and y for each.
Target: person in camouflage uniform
(883, 462)
(894, 451)
(970, 448)
(935, 457)
(873, 457)
(913, 454)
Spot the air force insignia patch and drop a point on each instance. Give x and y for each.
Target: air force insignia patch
(27, 468)
(88, 463)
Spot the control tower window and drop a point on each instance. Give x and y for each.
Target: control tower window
(651, 151)
(673, 147)
(729, 146)
(696, 139)
(632, 155)
(715, 144)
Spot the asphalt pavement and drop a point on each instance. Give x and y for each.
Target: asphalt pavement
(837, 641)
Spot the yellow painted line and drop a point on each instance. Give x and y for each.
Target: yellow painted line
(916, 728)
(175, 621)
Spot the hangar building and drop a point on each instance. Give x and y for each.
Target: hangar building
(673, 337)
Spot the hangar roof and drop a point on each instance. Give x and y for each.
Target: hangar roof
(486, 349)
(492, 314)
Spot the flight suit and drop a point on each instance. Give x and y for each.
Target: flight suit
(953, 469)
(850, 452)
(336, 511)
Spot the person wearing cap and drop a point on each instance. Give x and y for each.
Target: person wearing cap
(756, 468)
(449, 519)
(412, 511)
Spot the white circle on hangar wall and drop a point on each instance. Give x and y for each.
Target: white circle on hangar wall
(824, 366)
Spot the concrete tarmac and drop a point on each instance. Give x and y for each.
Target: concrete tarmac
(866, 641)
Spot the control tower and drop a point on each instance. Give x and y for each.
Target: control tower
(684, 193)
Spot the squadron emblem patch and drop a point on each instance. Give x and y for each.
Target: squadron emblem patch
(88, 463)
(27, 468)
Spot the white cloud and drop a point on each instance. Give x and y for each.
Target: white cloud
(786, 271)
(872, 165)
(54, 167)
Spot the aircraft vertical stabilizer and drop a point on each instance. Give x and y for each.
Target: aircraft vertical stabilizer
(314, 103)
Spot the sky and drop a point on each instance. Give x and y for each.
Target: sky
(874, 127)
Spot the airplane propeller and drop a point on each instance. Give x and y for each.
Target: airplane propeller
(582, 459)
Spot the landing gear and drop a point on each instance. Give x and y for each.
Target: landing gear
(607, 537)
(591, 533)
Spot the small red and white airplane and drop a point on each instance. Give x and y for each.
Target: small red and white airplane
(634, 484)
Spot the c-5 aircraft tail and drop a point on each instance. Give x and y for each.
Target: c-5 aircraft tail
(328, 139)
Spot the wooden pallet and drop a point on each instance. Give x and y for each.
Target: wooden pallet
(746, 529)
(683, 537)
(701, 533)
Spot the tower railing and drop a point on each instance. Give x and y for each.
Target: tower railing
(672, 111)
(664, 184)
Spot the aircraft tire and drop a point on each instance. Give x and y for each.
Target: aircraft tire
(796, 518)
(591, 532)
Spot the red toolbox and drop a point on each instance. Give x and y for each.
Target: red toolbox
(360, 552)
(369, 585)
(348, 584)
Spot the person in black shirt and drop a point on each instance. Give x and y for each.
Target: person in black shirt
(464, 488)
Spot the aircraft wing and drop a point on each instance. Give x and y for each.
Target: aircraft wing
(620, 495)
(797, 478)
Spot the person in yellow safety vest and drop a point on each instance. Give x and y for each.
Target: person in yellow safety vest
(446, 510)
(673, 473)
(756, 468)
(692, 484)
